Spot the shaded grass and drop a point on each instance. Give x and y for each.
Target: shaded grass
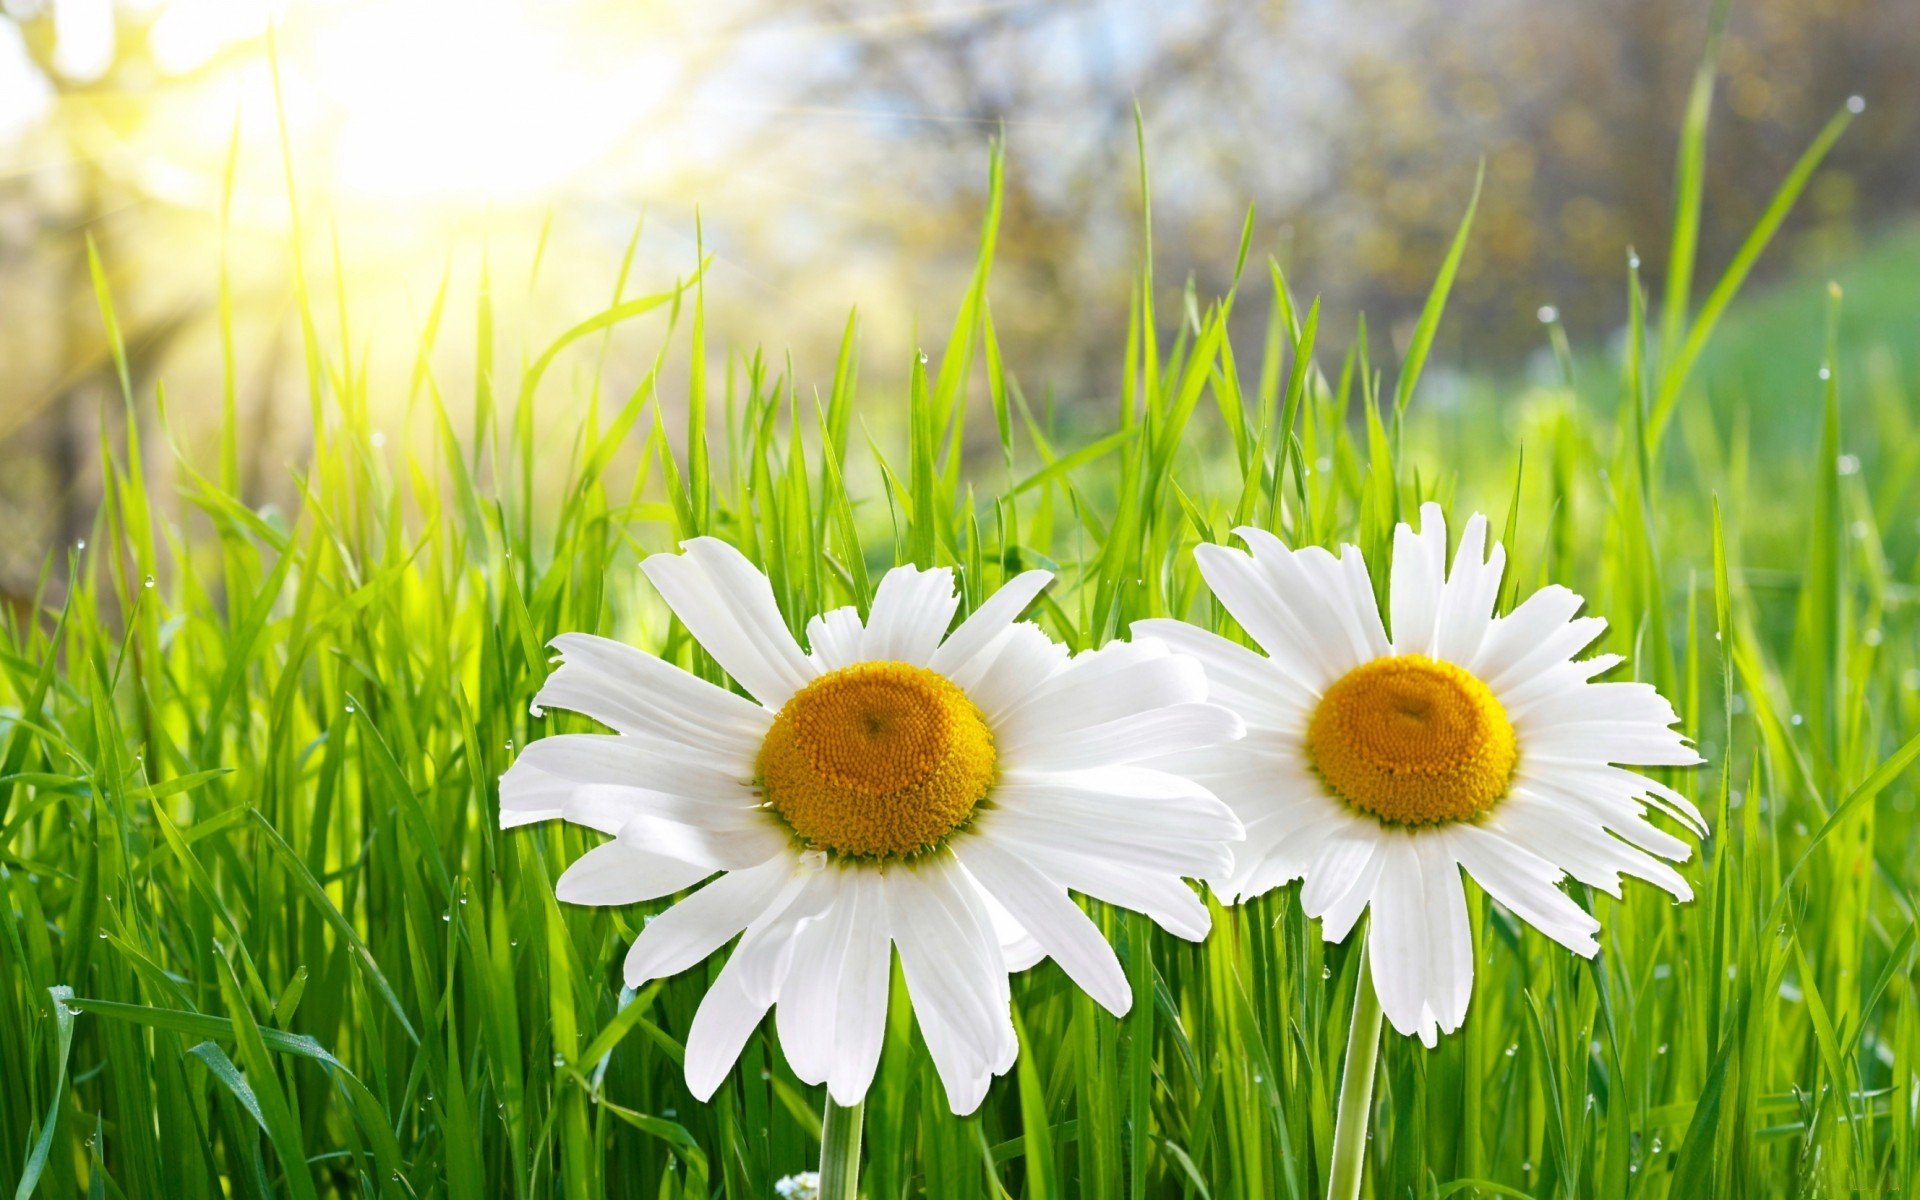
(262, 936)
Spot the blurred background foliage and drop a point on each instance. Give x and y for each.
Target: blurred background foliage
(828, 155)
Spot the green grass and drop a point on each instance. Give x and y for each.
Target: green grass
(262, 937)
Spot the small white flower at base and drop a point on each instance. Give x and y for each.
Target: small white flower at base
(804, 1186)
(898, 787)
(1377, 768)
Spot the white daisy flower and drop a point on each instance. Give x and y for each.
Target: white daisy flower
(898, 787)
(1377, 767)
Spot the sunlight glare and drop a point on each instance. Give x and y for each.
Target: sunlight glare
(467, 101)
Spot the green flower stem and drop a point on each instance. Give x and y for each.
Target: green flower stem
(1356, 1091)
(840, 1151)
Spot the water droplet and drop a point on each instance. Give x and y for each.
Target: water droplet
(1326, 972)
(103, 935)
(509, 745)
(378, 439)
(1513, 1049)
(559, 1060)
(81, 544)
(1633, 262)
(1259, 1078)
(1796, 719)
(923, 358)
(1662, 1049)
(446, 916)
(1856, 104)
(147, 582)
(1548, 314)
(1527, 1167)
(350, 707)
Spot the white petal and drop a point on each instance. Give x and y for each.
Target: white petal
(1466, 602)
(1170, 902)
(635, 762)
(911, 611)
(1331, 599)
(1015, 663)
(750, 982)
(615, 873)
(1419, 572)
(1519, 633)
(1239, 678)
(860, 1016)
(634, 692)
(705, 921)
(985, 625)
(1526, 884)
(1169, 730)
(1121, 679)
(728, 606)
(724, 845)
(954, 973)
(1397, 941)
(726, 1018)
(1067, 934)
(1628, 743)
(1143, 803)
(530, 795)
(835, 638)
(1449, 934)
(1578, 843)
(806, 1016)
(1244, 590)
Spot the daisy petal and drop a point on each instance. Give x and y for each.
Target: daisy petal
(1397, 941)
(1067, 934)
(728, 606)
(835, 638)
(1168, 730)
(1526, 884)
(1419, 572)
(986, 624)
(1170, 902)
(633, 692)
(947, 949)
(703, 922)
(618, 873)
(911, 611)
(1241, 679)
(1466, 602)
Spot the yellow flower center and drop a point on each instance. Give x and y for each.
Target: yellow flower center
(1413, 741)
(877, 760)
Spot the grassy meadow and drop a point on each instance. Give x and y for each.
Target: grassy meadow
(262, 937)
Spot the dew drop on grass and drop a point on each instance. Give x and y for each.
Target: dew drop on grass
(1633, 261)
(350, 706)
(81, 544)
(923, 358)
(1796, 719)
(1826, 372)
(1548, 314)
(147, 582)
(1513, 1049)
(1662, 1049)
(1856, 104)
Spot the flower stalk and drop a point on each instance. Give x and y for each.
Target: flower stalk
(840, 1151)
(1356, 1089)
